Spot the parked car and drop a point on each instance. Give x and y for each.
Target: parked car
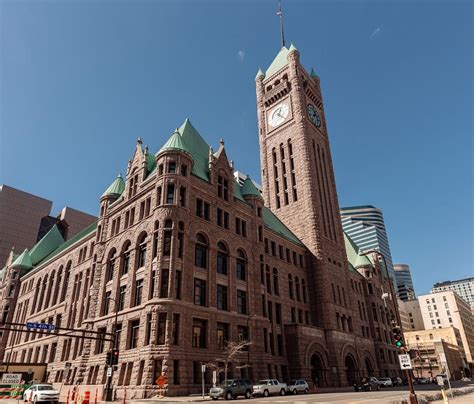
(397, 381)
(445, 378)
(269, 386)
(367, 384)
(231, 389)
(41, 393)
(421, 380)
(385, 382)
(298, 386)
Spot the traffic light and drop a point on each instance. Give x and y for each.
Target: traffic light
(108, 358)
(115, 357)
(398, 337)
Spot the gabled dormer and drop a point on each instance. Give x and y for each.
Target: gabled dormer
(222, 173)
(139, 167)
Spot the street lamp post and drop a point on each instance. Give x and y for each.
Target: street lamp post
(108, 387)
(413, 398)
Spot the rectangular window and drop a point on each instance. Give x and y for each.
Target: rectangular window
(265, 340)
(222, 297)
(180, 244)
(199, 207)
(278, 313)
(175, 336)
(237, 225)
(226, 220)
(178, 285)
(138, 292)
(199, 292)
(241, 302)
(122, 295)
(134, 334)
(148, 329)
(165, 274)
(176, 369)
(161, 334)
(199, 333)
(107, 297)
(167, 243)
(222, 335)
(170, 194)
(242, 333)
(220, 220)
(207, 210)
(182, 196)
(184, 170)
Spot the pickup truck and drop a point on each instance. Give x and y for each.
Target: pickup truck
(269, 386)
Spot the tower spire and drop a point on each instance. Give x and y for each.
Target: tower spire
(282, 32)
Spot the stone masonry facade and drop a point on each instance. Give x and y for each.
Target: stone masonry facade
(186, 263)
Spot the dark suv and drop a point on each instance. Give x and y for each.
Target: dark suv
(367, 384)
(232, 388)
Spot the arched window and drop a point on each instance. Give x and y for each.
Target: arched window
(297, 288)
(305, 291)
(241, 265)
(167, 236)
(109, 274)
(290, 286)
(141, 249)
(200, 255)
(67, 273)
(57, 288)
(276, 286)
(222, 258)
(125, 258)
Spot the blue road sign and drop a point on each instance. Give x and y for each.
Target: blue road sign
(40, 326)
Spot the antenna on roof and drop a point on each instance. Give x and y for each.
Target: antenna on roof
(280, 14)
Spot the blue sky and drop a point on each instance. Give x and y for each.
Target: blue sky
(81, 80)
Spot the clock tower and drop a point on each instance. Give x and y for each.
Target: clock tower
(297, 174)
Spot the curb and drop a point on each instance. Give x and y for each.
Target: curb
(427, 398)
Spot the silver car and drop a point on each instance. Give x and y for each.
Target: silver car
(298, 386)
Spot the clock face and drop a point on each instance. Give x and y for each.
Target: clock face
(278, 114)
(313, 115)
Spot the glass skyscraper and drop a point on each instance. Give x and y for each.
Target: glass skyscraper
(366, 227)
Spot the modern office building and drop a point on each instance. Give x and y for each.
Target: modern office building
(463, 287)
(447, 309)
(20, 219)
(405, 288)
(410, 314)
(185, 258)
(26, 218)
(366, 227)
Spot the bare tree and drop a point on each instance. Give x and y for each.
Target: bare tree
(229, 354)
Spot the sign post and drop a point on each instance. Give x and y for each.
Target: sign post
(203, 370)
(405, 361)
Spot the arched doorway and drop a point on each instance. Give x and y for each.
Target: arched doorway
(368, 367)
(351, 369)
(318, 371)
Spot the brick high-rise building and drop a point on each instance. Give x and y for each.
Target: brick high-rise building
(188, 258)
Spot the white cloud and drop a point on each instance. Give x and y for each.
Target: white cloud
(241, 55)
(376, 32)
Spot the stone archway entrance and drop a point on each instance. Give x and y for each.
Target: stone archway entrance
(368, 367)
(318, 371)
(351, 369)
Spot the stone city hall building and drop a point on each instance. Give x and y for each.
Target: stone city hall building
(189, 258)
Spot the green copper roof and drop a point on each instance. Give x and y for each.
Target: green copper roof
(150, 162)
(238, 191)
(273, 223)
(313, 73)
(259, 74)
(249, 188)
(23, 261)
(77, 237)
(52, 240)
(175, 142)
(280, 61)
(355, 259)
(116, 188)
(198, 148)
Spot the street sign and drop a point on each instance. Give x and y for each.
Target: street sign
(11, 378)
(40, 326)
(161, 381)
(440, 380)
(203, 368)
(405, 362)
(214, 377)
(442, 358)
(109, 371)
(67, 365)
